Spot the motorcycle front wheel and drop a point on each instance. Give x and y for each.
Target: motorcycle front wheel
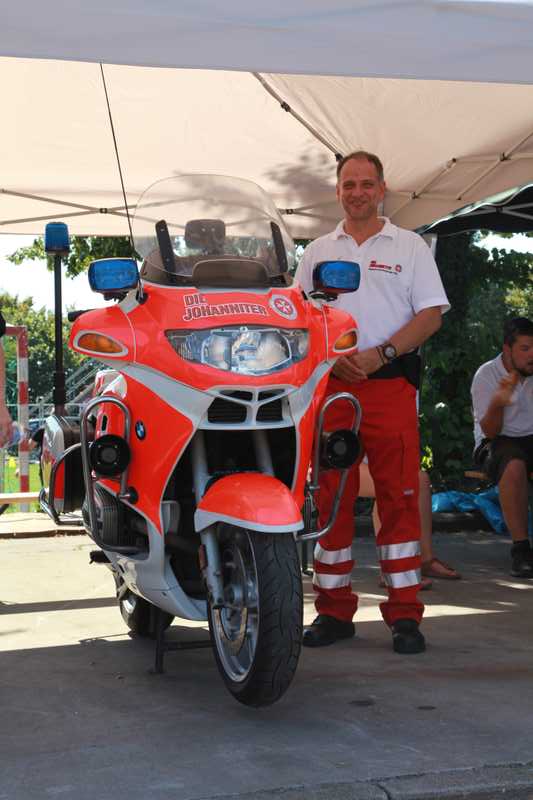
(257, 634)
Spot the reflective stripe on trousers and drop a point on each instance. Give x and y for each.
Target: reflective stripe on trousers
(325, 581)
(332, 556)
(390, 552)
(401, 580)
(390, 555)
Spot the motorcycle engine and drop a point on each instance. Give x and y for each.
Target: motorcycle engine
(117, 525)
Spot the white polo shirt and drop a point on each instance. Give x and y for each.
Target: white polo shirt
(399, 278)
(518, 416)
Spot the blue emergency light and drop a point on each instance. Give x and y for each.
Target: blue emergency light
(56, 239)
(113, 275)
(337, 276)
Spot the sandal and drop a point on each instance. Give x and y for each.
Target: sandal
(435, 568)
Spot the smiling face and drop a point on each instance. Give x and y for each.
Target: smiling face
(359, 190)
(519, 355)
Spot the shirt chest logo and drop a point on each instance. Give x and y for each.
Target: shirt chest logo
(376, 266)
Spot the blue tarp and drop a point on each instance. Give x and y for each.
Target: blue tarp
(487, 502)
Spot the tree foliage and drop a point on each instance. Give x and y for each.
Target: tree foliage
(484, 288)
(40, 325)
(83, 250)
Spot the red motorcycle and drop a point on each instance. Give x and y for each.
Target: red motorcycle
(196, 452)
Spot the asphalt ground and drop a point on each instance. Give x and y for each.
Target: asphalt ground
(84, 716)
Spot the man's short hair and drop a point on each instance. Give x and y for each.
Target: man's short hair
(362, 155)
(515, 327)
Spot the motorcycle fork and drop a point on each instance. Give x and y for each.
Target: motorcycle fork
(209, 555)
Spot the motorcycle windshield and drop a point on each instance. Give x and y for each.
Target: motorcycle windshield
(211, 230)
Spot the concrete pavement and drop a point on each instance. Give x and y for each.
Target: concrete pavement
(35, 525)
(85, 718)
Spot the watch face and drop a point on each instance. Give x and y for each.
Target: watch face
(389, 351)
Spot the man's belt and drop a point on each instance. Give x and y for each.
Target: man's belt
(407, 366)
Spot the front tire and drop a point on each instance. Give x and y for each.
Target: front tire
(257, 634)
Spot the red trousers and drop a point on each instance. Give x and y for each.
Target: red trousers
(389, 435)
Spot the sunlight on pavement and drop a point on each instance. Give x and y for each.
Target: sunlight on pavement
(511, 585)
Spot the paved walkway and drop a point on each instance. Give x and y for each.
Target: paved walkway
(84, 718)
(35, 525)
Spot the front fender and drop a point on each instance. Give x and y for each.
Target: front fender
(249, 500)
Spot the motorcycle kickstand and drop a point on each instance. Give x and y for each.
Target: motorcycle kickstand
(162, 646)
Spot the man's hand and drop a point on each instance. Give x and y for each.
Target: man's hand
(347, 371)
(368, 361)
(503, 396)
(5, 425)
(357, 367)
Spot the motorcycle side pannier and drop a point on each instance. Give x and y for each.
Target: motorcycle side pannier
(61, 467)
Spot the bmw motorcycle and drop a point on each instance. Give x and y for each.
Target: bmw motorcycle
(192, 460)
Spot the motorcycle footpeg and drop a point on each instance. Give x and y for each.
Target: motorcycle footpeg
(98, 557)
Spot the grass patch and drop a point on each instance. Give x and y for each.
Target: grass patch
(12, 481)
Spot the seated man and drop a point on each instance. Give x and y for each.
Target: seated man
(502, 400)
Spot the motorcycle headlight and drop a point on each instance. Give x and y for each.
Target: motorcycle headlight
(248, 350)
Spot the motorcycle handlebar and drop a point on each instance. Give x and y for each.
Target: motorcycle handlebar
(73, 315)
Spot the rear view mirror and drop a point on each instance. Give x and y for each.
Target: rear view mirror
(336, 277)
(112, 275)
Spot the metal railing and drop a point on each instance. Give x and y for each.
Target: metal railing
(76, 381)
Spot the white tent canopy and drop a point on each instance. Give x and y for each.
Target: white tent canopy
(474, 40)
(444, 143)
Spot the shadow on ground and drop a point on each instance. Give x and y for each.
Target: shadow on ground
(86, 718)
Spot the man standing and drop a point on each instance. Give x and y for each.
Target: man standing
(502, 399)
(397, 307)
(5, 419)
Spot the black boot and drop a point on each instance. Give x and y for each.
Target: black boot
(326, 630)
(406, 638)
(522, 559)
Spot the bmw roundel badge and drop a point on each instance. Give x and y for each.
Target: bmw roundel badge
(140, 430)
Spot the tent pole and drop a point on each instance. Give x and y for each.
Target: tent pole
(57, 244)
(507, 156)
(60, 395)
(286, 107)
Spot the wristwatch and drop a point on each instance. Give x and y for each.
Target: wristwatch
(389, 351)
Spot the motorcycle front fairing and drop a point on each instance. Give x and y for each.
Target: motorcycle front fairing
(171, 403)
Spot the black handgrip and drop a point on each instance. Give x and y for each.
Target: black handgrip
(72, 315)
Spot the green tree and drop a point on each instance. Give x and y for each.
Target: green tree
(484, 288)
(83, 250)
(40, 325)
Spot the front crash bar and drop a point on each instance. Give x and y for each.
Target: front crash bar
(313, 487)
(87, 476)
